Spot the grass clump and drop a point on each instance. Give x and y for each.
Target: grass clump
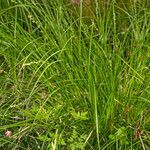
(70, 80)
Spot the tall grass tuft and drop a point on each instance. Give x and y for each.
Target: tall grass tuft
(74, 74)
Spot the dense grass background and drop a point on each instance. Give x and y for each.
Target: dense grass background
(74, 79)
